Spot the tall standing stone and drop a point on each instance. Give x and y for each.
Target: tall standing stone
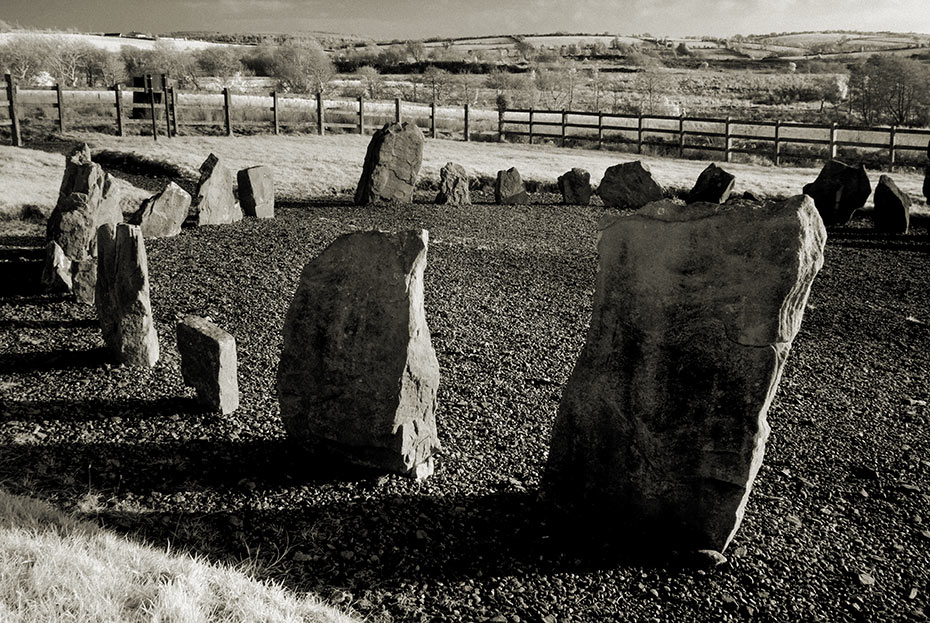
(453, 185)
(839, 191)
(123, 305)
(358, 374)
(392, 164)
(662, 425)
(713, 185)
(215, 202)
(575, 186)
(256, 191)
(208, 363)
(629, 186)
(892, 212)
(163, 214)
(509, 188)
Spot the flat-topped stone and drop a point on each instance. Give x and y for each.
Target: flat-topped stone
(575, 186)
(162, 215)
(208, 363)
(256, 191)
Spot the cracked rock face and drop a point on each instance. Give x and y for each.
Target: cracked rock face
(358, 374)
(392, 164)
(215, 203)
(662, 425)
(256, 191)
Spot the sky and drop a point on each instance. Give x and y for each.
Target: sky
(417, 19)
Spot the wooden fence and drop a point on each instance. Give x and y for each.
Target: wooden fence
(727, 136)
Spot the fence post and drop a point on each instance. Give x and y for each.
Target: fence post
(227, 105)
(600, 130)
(16, 136)
(397, 112)
(728, 142)
(164, 95)
(174, 110)
(361, 114)
(891, 146)
(467, 129)
(639, 133)
(564, 121)
(833, 140)
(119, 109)
(500, 125)
(274, 111)
(681, 136)
(61, 108)
(432, 119)
(320, 115)
(151, 90)
(531, 125)
(777, 158)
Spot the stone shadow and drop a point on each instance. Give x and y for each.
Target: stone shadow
(58, 359)
(98, 410)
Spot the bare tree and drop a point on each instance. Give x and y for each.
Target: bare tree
(23, 57)
(302, 67)
(371, 80)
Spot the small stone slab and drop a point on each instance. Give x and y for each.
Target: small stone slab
(208, 363)
(256, 191)
(122, 298)
(509, 188)
(453, 185)
(662, 425)
(839, 191)
(575, 186)
(162, 215)
(215, 202)
(713, 185)
(392, 164)
(56, 273)
(892, 212)
(358, 374)
(629, 186)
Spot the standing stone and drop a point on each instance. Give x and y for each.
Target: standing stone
(391, 165)
(839, 191)
(163, 214)
(256, 191)
(892, 212)
(453, 185)
(509, 188)
(208, 363)
(358, 374)
(662, 425)
(575, 186)
(629, 186)
(215, 203)
(926, 187)
(56, 274)
(713, 185)
(123, 306)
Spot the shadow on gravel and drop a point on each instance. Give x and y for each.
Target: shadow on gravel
(60, 359)
(98, 410)
(858, 238)
(21, 323)
(20, 277)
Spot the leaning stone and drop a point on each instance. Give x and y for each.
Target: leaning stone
(892, 212)
(662, 425)
(163, 214)
(713, 185)
(123, 306)
(509, 188)
(575, 186)
(453, 185)
(358, 374)
(629, 186)
(56, 274)
(392, 164)
(215, 203)
(256, 191)
(839, 191)
(208, 363)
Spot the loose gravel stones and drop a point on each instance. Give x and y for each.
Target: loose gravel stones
(662, 425)
(392, 164)
(509, 188)
(256, 191)
(892, 212)
(358, 374)
(123, 306)
(215, 202)
(208, 363)
(629, 186)
(453, 185)
(162, 215)
(839, 191)
(713, 185)
(575, 186)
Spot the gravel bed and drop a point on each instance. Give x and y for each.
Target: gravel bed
(837, 528)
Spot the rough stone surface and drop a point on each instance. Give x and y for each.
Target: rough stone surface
(926, 187)
(84, 279)
(215, 202)
(208, 363)
(662, 425)
(839, 191)
(713, 185)
(453, 185)
(892, 212)
(256, 191)
(123, 306)
(56, 274)
(629, 186)
(575, 186)
(392, 164)
(509, 188)
(358, 374)
(163, 214)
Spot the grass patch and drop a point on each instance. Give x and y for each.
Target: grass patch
(54, 567)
